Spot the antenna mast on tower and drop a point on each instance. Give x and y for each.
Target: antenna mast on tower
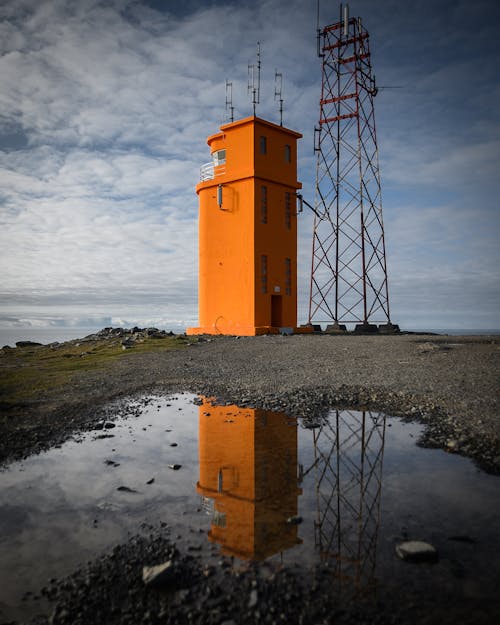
(254, 80)
(229, 100)
(349, 273)
(278, 92)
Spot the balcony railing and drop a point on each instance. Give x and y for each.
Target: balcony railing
(208, 171)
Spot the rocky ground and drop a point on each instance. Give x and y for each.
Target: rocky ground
(452, 384)
(449, 383)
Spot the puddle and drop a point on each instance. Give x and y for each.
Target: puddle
(256, 485)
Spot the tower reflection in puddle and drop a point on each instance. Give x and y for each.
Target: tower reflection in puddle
(248, 479)
(348, 455)
(249, 483)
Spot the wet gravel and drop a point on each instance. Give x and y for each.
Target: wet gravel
(111, 591)
(451, 384)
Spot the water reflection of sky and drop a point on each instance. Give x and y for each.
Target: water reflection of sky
(246, 475)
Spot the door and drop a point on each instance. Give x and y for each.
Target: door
(276, 311)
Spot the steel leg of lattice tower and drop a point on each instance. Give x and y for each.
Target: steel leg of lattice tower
(348, 269)
(349, 449)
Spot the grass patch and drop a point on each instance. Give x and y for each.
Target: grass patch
(27, 373)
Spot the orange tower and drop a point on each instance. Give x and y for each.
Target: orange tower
(248, 479)
(248, 230)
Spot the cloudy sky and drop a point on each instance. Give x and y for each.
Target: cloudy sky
(105, 106)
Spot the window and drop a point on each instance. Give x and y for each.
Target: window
(288, 276)
(263, 205)
(288, 210)
(219, 157)
(263, 273)
(263, 145)
(288, 154)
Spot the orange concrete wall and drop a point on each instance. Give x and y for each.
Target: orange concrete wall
(226, 252)
(277, 242)
(232, 238)
(256, 452)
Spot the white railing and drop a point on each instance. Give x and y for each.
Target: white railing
(208, 171)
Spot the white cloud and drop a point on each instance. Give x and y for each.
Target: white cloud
(115, 101)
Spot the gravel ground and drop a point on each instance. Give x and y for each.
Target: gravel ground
(110, 591)
(449, 383)
(452, 384)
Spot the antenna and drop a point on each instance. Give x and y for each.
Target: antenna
(346, 20)
(318, 32)
(278, 92)
(229, 100)
(254, 80)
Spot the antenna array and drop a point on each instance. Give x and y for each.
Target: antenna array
(253, 88)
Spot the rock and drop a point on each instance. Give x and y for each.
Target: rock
(252, 600)
(463, 539)
(126, 489)
(27, 344)
(150, 481)
(416, 551)
(159, 575)
(452, 445)
(175, 467)
(294, 520)
(111, 463)
(108, 425)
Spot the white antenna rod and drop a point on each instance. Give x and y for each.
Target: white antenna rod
(346, 20)
(229, 100)
(254, 81)
(278, 92)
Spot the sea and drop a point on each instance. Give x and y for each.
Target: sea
(9, 336)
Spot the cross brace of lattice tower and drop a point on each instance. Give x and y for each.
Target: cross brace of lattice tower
(349, 272)
(348, 450)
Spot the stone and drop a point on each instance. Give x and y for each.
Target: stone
(175, 467)
(108, 425)
(252, 601)
(416, 551)
(158, 575)
(27, 344)
(126, 489)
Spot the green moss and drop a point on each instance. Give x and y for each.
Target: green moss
(30, 372)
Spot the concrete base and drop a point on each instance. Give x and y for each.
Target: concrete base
(248, 330)
(336, 328)
(365, 328)
(388, 328)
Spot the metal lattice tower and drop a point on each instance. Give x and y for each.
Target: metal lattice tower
(349, 273)
(349, 449)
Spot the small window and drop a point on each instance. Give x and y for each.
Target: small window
(263, 145)
(288, 210)
(288, 154)
(263, 205)
(263, 273)
(288, 276)
(219, 157)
